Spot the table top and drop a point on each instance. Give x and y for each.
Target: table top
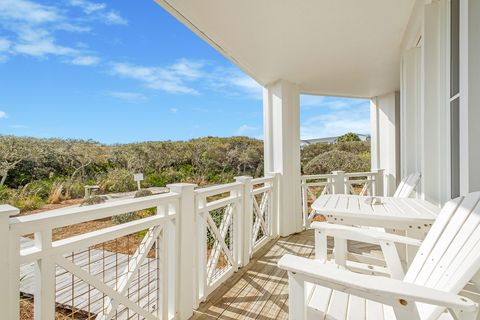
(390, 212)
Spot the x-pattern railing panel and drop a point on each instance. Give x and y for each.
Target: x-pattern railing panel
(260, 221)
(220, 246)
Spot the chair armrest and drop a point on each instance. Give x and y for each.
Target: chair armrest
(361, 234)
(389, 291)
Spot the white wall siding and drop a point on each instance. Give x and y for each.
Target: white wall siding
(384, 142)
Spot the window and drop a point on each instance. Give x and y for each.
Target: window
(455, 97)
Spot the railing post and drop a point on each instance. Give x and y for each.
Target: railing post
(186, 276)
(9, 295)
(246, 218)
(303, 182)
(339, 186)
(275, 218)
(379, 176)
(44, 302)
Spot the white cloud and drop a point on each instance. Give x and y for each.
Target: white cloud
(28, 11)
(335, 124)
(3, 115)
(173, 110)
(39, 42)
(172, 79)
(132, 97)
(18, 126)
(245, 129)
(113, 17)
(234, 82)
(4, 44)
(85, 61)
(88, 6)
(34, 28)
(332, 103)
(99, 11)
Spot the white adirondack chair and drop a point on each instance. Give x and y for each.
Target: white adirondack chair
(447, 260)
(407, 185)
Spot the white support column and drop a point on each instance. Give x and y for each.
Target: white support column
(385, 140)
(469, 96)
(281, 105)
(247, 218)
(9, 297)
(186, 272)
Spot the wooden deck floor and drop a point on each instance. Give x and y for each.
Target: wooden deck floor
(260, 290)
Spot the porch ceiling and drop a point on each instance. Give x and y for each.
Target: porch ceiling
(328, 47)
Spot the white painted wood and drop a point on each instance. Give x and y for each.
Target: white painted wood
(282, 150)
(44, 269)
(339, 182)
(387, 291)
(73, 215)
(407, 185)
(7, 298)
(469, 96)
(296, 293)
(385, 140)
(446, 261)
(394, 213)
(185, 251)
(247, 217)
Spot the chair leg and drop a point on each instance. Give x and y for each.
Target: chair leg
(297, 304)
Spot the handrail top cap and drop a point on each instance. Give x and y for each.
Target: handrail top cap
(182, 184)
(6, 209)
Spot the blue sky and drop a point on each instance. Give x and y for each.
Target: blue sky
(124, 71)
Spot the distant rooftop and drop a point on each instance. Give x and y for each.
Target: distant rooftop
(330, 140)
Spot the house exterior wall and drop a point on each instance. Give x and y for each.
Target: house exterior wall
(425, 105)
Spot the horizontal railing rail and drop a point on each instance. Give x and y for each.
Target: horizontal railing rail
(119, 269)
(338, 182)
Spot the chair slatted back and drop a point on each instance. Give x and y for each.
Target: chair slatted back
(449, 256)
(407, 185)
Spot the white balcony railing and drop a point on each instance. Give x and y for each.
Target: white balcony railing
(180, 247)
(338, 182)
(158, 266)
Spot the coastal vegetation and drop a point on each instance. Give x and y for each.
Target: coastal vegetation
(35, 172)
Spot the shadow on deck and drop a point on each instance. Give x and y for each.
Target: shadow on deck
(260, 290)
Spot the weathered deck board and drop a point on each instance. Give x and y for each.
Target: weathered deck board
(260, 291)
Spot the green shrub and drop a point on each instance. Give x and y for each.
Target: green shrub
(28, 203)
(93, 200)
(39, 188)
(155, 180)
(131, 216)
(354, 147)
(117, 180)
(4, 194)
(143, 193)
(350, 136)
(337, 160)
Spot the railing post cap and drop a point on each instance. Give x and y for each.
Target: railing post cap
(8, 210)
(338, 171)
(243, 178)
(181, 186)
(378, 170)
